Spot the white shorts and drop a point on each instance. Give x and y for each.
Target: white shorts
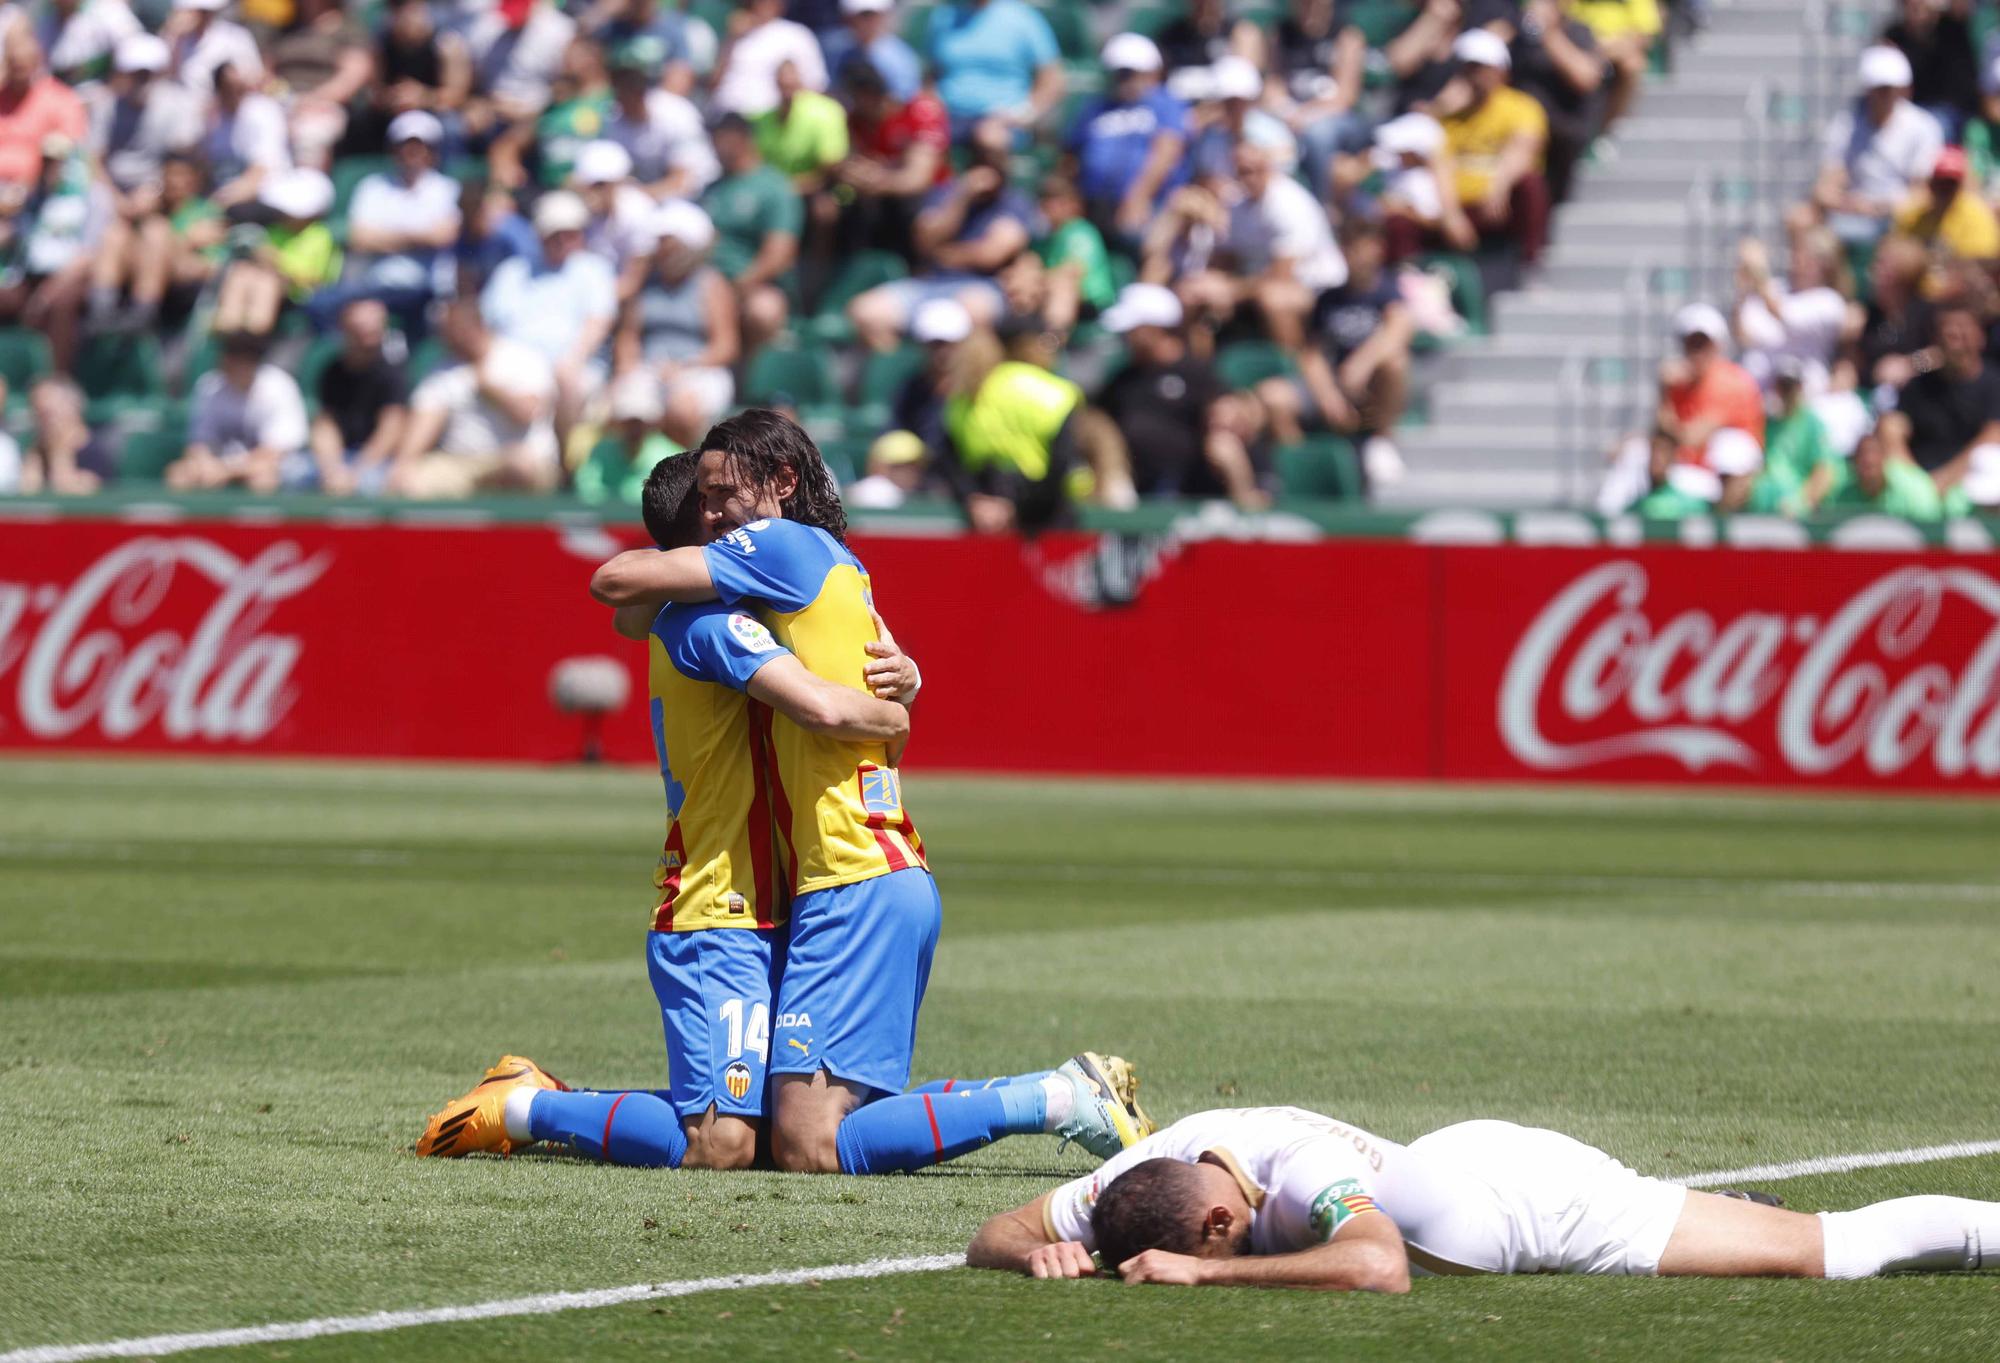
(1545, 1203)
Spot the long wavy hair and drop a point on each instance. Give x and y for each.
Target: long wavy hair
(763, 442)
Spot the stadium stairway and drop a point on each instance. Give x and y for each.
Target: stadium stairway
(1497, 433)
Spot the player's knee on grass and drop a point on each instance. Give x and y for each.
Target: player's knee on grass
(806, 1113)
(719, 1142)
(1723, 1237)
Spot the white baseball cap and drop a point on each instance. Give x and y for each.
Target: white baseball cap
(601, 162)
(866, 6)
(685, 222)
(940, 319)
(1991, 83)
(140, 52)
(1416, 134)
(1700, 319)
(212, 6)
(415, 125)
(1131, 52)
(1235, 78)
(1142, 305)
(298, 193)
(1482, 47)
(560, 211)
(1883, 67)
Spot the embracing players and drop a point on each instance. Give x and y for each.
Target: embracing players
(850, 971)
(1282, 1197)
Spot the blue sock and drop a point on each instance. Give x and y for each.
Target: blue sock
(638, 1129)
(973, 1085)
(912, 1130)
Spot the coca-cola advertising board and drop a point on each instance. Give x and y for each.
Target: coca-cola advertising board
(1077, 653)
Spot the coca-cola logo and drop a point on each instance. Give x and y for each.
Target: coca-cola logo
(1885, 679)
(95, 651)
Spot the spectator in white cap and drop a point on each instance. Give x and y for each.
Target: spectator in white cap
(1418, 202)
(1229, 113)
(136, 122)
(1354, 378)
(1184, 433)
(83, 35)
(247, 421)
(1875, 151)
(662, 131)
(562, 306)
(759, 41)
(680, 328)
(401, 225)
(484, 422)
(940, 326)
(869, 35)
(621, 213)
(296, 257)
(1707, 442)
(200, 41)
(245, 141)
(631, 445)
(1126, 149)
(1497, 137)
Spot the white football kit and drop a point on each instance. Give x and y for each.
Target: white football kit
(1477, 1197)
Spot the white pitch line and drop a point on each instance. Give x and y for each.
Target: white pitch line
(1831, 1164)
(548, 1303)
(544, 1304)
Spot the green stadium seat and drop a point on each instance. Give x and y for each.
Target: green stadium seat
(1380, 20)
(1071, 22)
(427, 359)
(801, 377)
(1322, 468)
(114, 366)
(150, 444)
(858, 274)
(1150, 19)
(24, 357)
(916, 28)
(846, 456)
(883, 374)
(1245, 364)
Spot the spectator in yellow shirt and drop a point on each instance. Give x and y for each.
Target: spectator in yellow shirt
(1944, 213)
(1497, 137)
(1625, 31)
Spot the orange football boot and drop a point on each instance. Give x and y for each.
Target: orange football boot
(478, 1120)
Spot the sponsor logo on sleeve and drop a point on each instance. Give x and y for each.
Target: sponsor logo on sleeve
(751, 633)
(1335, 1204)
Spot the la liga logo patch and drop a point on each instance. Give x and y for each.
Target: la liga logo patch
(751, 633)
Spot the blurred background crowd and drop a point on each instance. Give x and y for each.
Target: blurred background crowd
(1027, 256)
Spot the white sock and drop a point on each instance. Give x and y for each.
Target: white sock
(1906, 1233)
(518, 1104)
(1062, 1100)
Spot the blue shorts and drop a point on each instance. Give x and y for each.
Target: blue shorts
(856, 964)
(714, 986)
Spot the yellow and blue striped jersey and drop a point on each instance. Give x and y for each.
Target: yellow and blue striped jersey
(840, 804)
(716, 868)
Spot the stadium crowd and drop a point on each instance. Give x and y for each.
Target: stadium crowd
(1022, 255)
(1865, 373)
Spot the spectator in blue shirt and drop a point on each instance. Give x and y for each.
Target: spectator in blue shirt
(1127, 147)
(561, 307)
(997, 59)
(971, 229)
(868, 37)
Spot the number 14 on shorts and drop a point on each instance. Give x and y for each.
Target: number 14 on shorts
(755, 1036)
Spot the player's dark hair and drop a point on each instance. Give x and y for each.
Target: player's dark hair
(761, 443)
(1153, 1205)
(669, 503)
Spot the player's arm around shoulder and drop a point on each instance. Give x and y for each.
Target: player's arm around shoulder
(652, 577)
(1019, 1242)
(1365, 1255)
(824, 707)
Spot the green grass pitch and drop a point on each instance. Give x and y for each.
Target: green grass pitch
(229, 994)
